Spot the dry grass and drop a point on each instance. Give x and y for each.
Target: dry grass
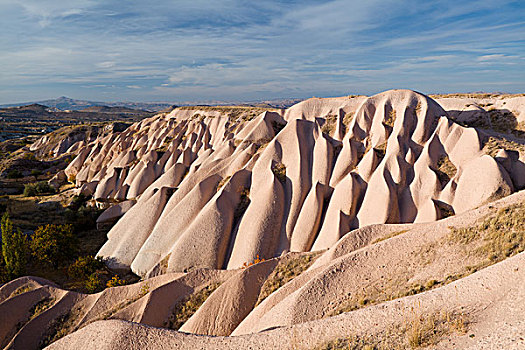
(390, 119)
(329, 124)
(473, 95)
(284, 272)
(381, 150)
(279, 170)
(187, 307)
(418, 330)
(502, 120)
(244, 201)
(61, 326)
(493, 145)
(40, 307)
(446, 170)
(498, 237)
(388, 236)
(23, 289)
(108, 313)
(223, 182)
(348, 118)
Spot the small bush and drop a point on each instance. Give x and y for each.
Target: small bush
(54, 244)
(38, 189)
(85, 266)
(115, 281)
(14, 174)
(29, 156)
(255, 261)
(279, 170)
(94, 283)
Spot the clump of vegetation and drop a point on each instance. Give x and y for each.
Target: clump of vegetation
(445, 170)
(90, 272)
(418, 107)
(94, 283)
(144, 289)
(381, 150)
(54, 244)
(493, 145)
(425, 330)
(502, 235)
(188, 306)
(390, 118)
(165, 145)
(14, 250)
(22, 290)
(40, 307)
(60, 327)
(348, 118)
(255, 261)
(388, 236)
(417, 331)
(38, 189)
(223, 182)
(284, 272)
(244, 201)
(279, 170)
(502, 121)
(329, 124)
(14, 174)
(85, 266)
(115, 281)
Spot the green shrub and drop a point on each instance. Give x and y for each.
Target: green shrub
(82, 219)
(29, 156)
(54, 244)
(36, 172)
(94, 283)
(115, 281)
(84, 266)
(14, 174)
(14, 249)
(38, 189)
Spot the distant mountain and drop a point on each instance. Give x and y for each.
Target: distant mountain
(66, 103)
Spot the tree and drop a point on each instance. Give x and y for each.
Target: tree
(54, 244)
(14, 249)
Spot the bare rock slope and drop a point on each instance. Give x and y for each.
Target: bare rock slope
(217, 187)
(383, 221)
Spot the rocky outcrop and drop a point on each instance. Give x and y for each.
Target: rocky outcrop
(242, 185)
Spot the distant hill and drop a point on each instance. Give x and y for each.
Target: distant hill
(110, 110)
(66, 103)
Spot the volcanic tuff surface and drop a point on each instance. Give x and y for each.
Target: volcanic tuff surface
(217, 187)
(343, 198)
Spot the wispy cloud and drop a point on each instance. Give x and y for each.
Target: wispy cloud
(231, 49)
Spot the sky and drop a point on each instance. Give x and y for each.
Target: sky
(237, 50)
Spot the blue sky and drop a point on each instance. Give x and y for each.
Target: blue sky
(247, 50)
